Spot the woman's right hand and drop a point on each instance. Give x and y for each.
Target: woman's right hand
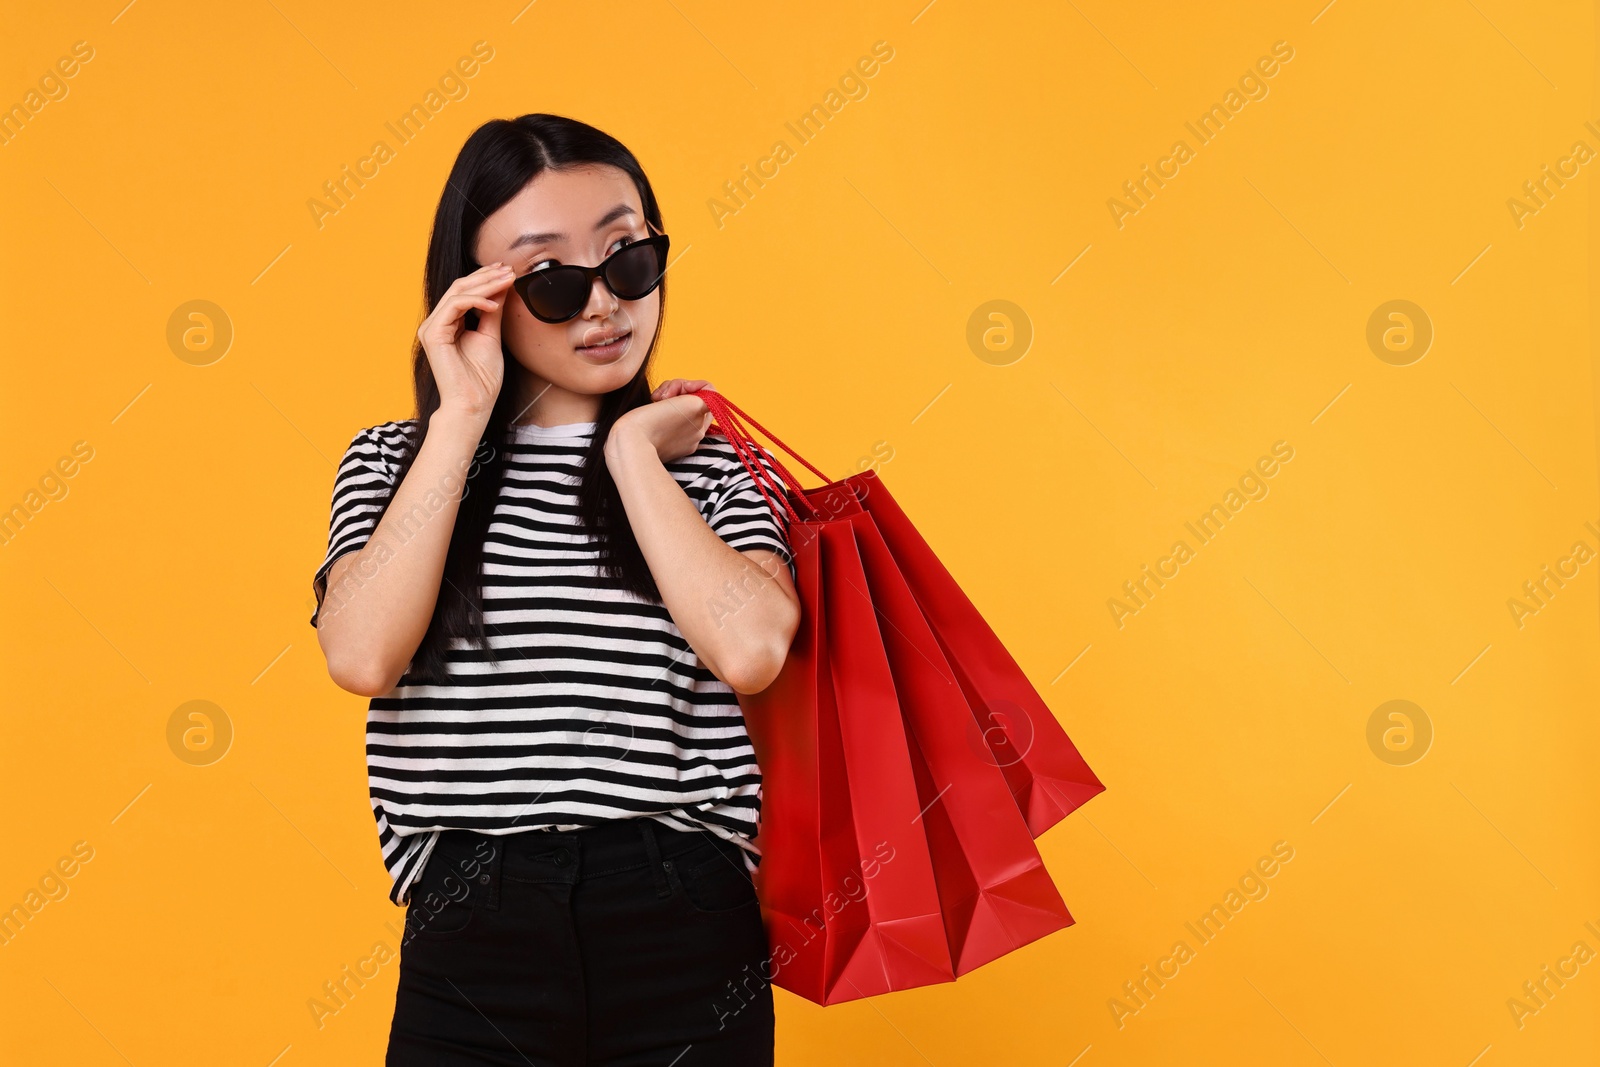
(468, 364)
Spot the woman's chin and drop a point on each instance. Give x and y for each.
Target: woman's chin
(577, 373)
(584, 376)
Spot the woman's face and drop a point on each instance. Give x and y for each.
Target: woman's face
(577, 216)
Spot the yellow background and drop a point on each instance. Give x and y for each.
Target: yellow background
(1229, 313)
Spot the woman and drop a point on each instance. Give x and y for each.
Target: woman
(552, 585)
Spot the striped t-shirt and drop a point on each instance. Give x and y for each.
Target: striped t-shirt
(598, 709)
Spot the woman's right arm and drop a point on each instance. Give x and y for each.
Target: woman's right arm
(381, 597)
(388, 588)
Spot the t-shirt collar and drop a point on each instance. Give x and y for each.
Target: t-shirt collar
(568, 430)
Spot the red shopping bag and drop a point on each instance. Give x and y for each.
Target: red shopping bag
(846, 880)
(994, 892)
(1048, 776)
(994, 889)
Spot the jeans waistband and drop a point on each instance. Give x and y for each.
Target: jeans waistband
(468, 866)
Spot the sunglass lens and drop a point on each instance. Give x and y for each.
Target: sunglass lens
(634, 271)
(557, 293)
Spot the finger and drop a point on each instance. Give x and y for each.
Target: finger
(489, 283)
(459, 305)
(484, 280)
(489, 320)
(479, 275)
(452, 308)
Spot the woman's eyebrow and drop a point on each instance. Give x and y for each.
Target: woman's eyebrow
(546, 238)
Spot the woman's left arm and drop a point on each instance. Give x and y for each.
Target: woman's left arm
(738, 610)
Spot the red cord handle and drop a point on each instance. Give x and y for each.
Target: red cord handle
(730, 421)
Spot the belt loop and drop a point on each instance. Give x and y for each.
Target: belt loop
(652, 849)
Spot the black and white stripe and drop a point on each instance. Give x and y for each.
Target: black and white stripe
(598, 709)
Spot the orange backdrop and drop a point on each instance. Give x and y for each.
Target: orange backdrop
(1236, 358)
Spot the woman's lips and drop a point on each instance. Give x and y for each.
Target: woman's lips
(607, 352)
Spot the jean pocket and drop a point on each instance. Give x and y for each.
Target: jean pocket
(441, 906)
(433, 917)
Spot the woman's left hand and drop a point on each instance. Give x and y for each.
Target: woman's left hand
(674, 423)
(678, 386)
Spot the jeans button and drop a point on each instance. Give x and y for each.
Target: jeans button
(561, 857)
(483, 879)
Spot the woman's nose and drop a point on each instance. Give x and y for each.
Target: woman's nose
(607, 300)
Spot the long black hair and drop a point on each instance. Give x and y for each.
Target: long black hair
(496, 162)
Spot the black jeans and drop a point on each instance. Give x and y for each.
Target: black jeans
(627, 943)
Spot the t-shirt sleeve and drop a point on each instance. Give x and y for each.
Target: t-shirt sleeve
(364, 481)
(741, 516)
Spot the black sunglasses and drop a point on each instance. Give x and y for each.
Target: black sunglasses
(559, 293)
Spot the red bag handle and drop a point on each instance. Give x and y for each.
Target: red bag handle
(729, 420)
